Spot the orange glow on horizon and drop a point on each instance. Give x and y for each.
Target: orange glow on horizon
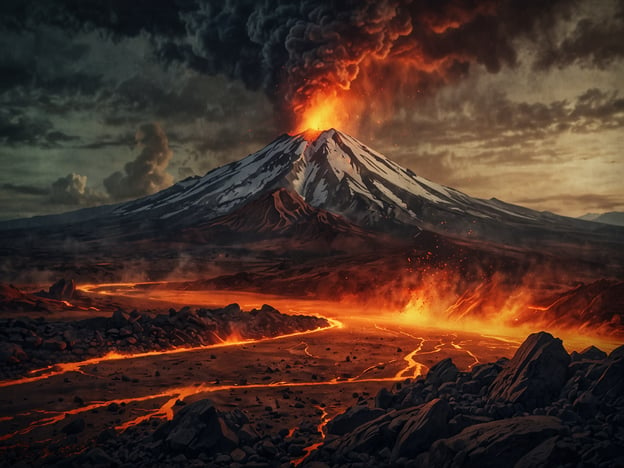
(492, 307)
(498, 314)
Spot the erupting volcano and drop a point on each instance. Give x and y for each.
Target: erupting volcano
(345, 295)
(352, 225)
(379, 274)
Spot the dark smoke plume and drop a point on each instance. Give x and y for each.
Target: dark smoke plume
(296, 50)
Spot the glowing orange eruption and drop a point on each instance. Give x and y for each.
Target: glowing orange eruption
(321, 112)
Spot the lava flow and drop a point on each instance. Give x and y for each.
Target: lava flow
(65, 367)
(321, 430)
(352, 356)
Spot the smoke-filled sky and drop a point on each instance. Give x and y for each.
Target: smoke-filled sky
(104, 101)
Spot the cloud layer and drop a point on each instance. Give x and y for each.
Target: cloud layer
(487, 96)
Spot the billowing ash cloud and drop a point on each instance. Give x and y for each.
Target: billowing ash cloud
(69, 189)
(147, 173)
(298, 51)
(72, 190)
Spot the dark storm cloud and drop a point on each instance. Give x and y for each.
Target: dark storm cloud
(591, 43)
(25, 189)
(73, 190)
(56, 137)
(504, 123)
(227, 139)
(119, 17)
(45, 59)
(13, 74)
(68, 190)
(107, 141)
(291, 49)
(147, 173)
(19, 128)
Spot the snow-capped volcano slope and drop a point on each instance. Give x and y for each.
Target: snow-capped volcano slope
(335, 183)
(334, 172)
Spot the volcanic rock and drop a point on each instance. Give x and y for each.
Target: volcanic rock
(199, 427)
(383, 399)
(11, 353)
(486, 373)
(610, 385)
(352, 418)
(74, 427)
(590, 353)
(535, 375)
(617, 353)
(62, 290)
(54, 345)
(443, 371)
(95, 457)
(238, 455)
(490, 444)
(422, 428)
(371, 436)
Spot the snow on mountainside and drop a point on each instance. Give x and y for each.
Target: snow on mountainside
(334, 172)
(339, 175)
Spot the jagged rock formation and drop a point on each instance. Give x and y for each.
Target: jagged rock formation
(538, 409)
(535, 375)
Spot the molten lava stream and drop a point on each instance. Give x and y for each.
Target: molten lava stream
(165, 411)
(467, 351)
(321, 429)
(416, 368)
(65, 367)
(57, 416)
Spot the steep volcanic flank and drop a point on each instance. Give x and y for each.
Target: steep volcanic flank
(284, 212)
(285, 215)
(334, 172)
(337, 173)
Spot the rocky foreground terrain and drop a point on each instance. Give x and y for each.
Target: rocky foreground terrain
(544, 407)
(33, 342)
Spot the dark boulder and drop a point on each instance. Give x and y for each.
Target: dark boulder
(199, 427)
(422, 428)
(591, 353)
(11, 353)
(552, 452)
(441, 372)
(535, 375)
(384, 399)
(352, 418)
(486, 373)
(372, 436)
(62, 290)
(74, 427)
(610, 385)
(495, 443)
(95, 457)
(617, 353)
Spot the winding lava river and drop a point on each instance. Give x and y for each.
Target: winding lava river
(358, 353)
